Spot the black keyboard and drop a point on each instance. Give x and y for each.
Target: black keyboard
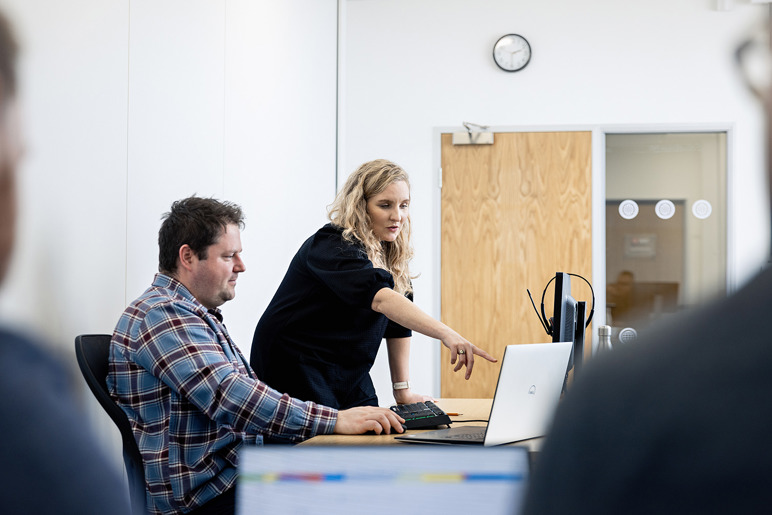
(421, 415)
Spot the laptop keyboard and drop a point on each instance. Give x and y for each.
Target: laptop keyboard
(421, 415)
(474, 435)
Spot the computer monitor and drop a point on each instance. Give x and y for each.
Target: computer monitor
(568, 320)
(354, 480)
(569, 317)
(564, 310)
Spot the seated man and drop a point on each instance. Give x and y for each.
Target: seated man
(190, 395)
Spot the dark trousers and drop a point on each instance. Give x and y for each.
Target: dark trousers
(223, 504)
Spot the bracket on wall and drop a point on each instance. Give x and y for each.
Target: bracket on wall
(470, 137)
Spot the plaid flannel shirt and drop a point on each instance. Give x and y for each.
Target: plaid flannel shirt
(192, 399)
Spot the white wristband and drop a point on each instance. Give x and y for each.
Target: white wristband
(402, 385)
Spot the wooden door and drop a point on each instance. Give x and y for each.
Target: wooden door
(513, 214)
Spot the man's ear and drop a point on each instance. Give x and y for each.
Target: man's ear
(186, 257)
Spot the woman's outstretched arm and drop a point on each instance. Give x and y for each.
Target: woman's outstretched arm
(399, 309)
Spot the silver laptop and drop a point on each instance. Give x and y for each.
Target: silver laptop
(527, 393)
(343, 480)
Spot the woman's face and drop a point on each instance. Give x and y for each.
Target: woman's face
(388, 210)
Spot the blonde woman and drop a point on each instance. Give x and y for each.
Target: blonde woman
(347, 289)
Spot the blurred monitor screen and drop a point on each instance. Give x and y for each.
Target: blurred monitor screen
(385, 479)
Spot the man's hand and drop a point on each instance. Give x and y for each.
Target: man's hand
(359, 420)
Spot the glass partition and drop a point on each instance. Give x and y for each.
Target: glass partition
(666, 237)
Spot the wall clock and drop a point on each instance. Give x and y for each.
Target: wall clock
(512, 52)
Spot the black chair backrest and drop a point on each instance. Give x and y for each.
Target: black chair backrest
(92, 352)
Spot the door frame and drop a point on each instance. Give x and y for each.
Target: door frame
(599, 182)
(598, 195)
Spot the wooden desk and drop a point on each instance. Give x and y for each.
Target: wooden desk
(469, 409)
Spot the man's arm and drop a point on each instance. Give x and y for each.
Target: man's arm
(188, 357)
(184, 351)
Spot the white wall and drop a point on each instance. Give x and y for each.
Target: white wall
(131, 105)
(411, 67)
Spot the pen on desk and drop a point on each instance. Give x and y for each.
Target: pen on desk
(451, 414)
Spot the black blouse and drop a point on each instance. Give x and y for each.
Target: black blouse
(319, 336)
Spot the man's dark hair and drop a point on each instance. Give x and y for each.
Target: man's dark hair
(8, 53)
(197, 222)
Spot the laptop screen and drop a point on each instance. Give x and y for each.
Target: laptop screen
(381, 479)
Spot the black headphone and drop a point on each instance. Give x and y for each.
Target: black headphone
(545, 322)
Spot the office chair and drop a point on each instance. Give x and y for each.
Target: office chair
(92, 352)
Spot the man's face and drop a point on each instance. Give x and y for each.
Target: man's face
(213, 280)
(10, 153)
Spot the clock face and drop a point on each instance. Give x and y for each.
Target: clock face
(512, 52)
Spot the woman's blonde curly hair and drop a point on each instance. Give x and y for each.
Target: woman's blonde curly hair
(349, 212)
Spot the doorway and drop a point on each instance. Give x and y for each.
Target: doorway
(513, 213)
